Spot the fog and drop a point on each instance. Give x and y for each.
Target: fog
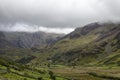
(58, 16)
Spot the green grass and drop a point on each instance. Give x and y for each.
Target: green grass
(84, 73)
(112, 59)
(61, 72)
(83, 51)
(26, 73)
(69, 44)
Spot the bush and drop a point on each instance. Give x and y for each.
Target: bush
(52, 76)
(25, 78)
(8, 70)
(40, 78)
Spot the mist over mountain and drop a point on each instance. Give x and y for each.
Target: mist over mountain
(59, 39)
(95, 47)
(20, 27)
(60, 14)
(89, 44)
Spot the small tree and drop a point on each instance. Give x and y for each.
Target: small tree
(25, 78)
(48, 65)
(40, 78)
(8, 69)
(118, 63)
(52, 76)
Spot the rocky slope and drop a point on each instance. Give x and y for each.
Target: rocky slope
(93, 44)
(26, 40)
(88, 45)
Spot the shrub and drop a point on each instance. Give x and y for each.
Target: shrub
(40, 78)
(52, 76)
(8, 69)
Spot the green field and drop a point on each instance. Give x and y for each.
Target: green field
(59, 72)
(88, 53)
(87, 73)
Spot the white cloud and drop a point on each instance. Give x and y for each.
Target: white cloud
(56, 30)
(59, 13)
(20, 27)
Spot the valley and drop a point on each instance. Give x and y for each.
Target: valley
(59, 72)
(91, 52)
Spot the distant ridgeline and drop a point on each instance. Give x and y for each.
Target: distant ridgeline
(94, 44)
(26, 39)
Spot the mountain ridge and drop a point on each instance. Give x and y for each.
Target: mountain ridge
(27, 40)
(91, 44)
(83, 46)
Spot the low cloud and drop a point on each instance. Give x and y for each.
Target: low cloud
(57, 14)
(34, 28)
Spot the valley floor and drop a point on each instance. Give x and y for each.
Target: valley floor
(59, 72)
(88, 73)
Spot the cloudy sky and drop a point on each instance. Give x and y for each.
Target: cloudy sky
(58, 16)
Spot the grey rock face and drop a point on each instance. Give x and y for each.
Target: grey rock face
(26, 40)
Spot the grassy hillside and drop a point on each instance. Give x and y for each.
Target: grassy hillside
(14, 71)
(91, 52)
(88, 45)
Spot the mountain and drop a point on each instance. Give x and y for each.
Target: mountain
(93, 44)
(89, 45)
(91, 52)
(3, 42)
(27, 40)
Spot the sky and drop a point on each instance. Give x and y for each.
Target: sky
(57, 16)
